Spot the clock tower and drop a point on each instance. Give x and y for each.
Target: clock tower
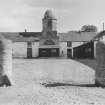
(49, 41)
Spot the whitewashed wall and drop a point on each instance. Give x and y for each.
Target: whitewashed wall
(20, 49)
(63, 47)
(95, 42)
(35, 50)
(75, 44)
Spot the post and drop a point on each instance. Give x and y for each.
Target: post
(100, 60)
(5, 62)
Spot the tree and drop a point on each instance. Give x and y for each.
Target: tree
(89, 28)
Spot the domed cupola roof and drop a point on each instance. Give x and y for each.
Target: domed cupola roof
(49, 14)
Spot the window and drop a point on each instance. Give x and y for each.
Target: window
(29, 44)
(88, 50)
(69, 44)
(53, 50)
(49, 42)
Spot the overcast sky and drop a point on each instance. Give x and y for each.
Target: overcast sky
(16, 15)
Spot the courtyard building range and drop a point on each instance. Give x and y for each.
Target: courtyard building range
(50, 43)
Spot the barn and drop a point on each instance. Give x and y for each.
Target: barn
(78, 44)
(84, 51)
(25, 44)
(66, 45)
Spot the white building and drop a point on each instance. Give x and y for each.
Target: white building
(49, 43)
(74, 40)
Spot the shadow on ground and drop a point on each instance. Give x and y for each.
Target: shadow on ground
(89, 62)
(64, 84)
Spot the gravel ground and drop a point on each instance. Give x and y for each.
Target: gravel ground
(29, 75)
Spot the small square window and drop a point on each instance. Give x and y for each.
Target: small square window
(29, 44)
(69, 44)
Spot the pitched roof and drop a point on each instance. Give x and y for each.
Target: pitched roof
(19, 37)
(25, 39)
(10, 35)
(63, 37)
(76, 36)
(102, 33)
(31, 34)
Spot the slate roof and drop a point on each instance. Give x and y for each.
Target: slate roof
(102, 33)
(21, 36)
(63, 37)
(76, 36)
(31, 34)
(25, 39)
(10, 35)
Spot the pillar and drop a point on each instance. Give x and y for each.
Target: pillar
(5, 62)
(100, 63)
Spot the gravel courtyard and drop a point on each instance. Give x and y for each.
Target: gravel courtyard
(29, 75)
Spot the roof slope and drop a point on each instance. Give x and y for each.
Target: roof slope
(10, 35)
(31, 34)
(22, 36)
(100, 34)
(77, 36)
(63, 37)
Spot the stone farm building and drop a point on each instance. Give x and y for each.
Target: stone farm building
(49, 43)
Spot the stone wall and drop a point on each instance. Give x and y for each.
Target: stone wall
(100, 59)
(5, 62)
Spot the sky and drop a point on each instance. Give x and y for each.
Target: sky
(18, 15)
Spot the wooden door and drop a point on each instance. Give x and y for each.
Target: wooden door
(69, 53)
(29, 52)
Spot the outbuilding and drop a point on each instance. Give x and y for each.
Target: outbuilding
(76, 44)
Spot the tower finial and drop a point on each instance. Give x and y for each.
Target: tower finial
(49, 14)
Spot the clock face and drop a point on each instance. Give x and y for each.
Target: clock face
(49, 42)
